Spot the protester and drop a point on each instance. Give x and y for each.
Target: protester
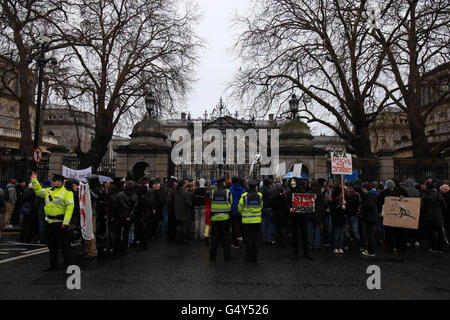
(280, 209)
(28, 212)
(199, 211)
(182, 203)
(370, 215)
(10, 201)
(338, 218)
(208, 213)
(124, 210)
(237, 190)
(353, 210)
(171, 219)
(267, 224)
(298, 222)
(432, 207)
(315, 219)
(445, 192)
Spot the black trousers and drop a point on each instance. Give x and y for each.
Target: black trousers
(58, 238)
(220, 233)
(171, 224)
(371, 228)
(298, 222)
(121, 227)
(252, 235)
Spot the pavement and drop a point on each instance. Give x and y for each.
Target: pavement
(168, 271)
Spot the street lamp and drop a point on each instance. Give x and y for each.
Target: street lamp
(41, 62)
(150, 104)
(293, 106)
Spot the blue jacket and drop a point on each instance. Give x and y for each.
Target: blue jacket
(236, 191)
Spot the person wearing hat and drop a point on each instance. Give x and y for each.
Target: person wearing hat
(221, 202)
(250, 207)
(59, 205)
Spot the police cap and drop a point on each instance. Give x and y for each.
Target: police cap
(252, 183)
(58, 177)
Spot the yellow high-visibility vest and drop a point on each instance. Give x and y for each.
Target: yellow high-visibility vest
(221, 201)
(250, 207)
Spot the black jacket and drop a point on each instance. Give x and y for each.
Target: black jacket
(280, 209)
(432, 207)
(125, 204)
(369, 208)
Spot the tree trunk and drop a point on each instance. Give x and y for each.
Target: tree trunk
(416, 123)
(26, 99)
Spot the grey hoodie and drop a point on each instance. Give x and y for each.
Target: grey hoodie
(410, 189)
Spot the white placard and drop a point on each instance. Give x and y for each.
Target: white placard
(341, 163)
(80, 175)
(297, 172)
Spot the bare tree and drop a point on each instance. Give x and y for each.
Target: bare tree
(322, 48)
(415, 37)
(119, 52)
(22, 23)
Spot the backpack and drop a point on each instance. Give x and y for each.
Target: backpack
(4, 195)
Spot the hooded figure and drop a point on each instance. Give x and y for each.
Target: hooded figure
(411, 189)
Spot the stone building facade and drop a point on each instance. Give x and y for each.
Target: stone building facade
(152, 143)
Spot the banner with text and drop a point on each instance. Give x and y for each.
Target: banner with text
(341, 163)
(303, 202)
(87, 229)
(80, 175)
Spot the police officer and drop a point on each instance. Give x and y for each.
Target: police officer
(221, 201)
(59, 205)
(298, 221)
(250, 206)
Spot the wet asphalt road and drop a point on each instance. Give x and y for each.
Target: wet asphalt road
(183, 272)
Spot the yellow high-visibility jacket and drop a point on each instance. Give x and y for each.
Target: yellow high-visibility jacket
(59, 203)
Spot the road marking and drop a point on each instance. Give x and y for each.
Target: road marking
(24, 256)
(35, 250)
(28, 244)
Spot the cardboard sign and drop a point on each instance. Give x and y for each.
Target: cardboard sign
(401, 212)
(303, 202)
(341, 163)
(297, 172)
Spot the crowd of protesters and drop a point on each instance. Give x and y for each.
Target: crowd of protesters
(131, 214)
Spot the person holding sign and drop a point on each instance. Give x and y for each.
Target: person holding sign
(59, 205)
(298, 221)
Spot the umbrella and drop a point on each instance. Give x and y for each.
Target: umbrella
(105, 179)
(289, 175)
(351, 178)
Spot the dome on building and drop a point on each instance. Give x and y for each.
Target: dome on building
(146, 127)
(295, 133)
(148, 132)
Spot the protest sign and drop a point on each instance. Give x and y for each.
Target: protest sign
(303, 202)
(80, 175)
(401, 212)
(341, 163)
(297, 172)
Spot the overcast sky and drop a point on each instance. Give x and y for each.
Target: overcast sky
(216, 65)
